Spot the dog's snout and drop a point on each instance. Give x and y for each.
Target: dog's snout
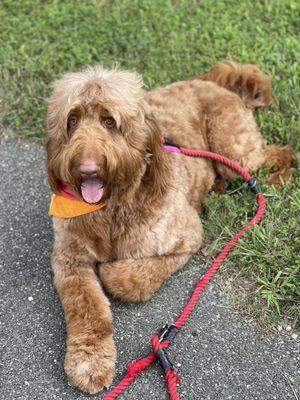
(88, 169)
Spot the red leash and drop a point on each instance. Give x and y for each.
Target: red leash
(160, 343)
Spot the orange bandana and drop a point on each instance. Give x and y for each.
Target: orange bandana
(67, 205)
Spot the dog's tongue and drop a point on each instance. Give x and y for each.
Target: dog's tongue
(92, 190)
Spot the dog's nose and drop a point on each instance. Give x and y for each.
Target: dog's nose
(88, 169)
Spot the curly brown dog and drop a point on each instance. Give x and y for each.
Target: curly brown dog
(104, 143)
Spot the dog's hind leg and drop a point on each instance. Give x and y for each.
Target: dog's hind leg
(233, 133)
(232, 130)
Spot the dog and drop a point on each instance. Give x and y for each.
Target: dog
(104, 144)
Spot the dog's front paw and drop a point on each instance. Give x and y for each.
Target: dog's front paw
(90, 367)
(125, 283)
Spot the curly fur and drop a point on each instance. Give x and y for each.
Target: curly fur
(248, 81)
(150, 226)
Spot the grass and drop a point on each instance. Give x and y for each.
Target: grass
(262, 274)
(167, 41)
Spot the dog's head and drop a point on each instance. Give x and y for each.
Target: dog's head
(102, 140)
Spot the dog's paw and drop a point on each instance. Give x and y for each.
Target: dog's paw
(284, 168)
(125, 283)
(91, 368)
(280, 177)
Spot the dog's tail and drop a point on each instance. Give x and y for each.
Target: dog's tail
(248, 81)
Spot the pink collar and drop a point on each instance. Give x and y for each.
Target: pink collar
(68, 193)
(170, 146)
(172, 149)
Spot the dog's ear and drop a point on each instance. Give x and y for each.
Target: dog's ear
(51, 154)
(53, 144)
(157, 173)
(56, 125)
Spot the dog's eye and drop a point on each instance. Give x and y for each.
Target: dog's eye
(72, 122)
(109, 122)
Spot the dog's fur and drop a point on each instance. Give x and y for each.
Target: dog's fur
(150, 225)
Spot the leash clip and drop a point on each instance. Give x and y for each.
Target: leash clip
(169, 142)
(168, 332)
(253, 186)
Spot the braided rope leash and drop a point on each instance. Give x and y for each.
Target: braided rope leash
(162, 342)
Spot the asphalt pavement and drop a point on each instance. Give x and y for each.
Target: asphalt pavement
(219, 355)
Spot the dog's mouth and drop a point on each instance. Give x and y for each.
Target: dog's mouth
(92, 190)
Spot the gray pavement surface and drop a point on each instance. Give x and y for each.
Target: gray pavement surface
(219, 355)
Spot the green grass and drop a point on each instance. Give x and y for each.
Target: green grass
(263, 273)
(167, 41)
